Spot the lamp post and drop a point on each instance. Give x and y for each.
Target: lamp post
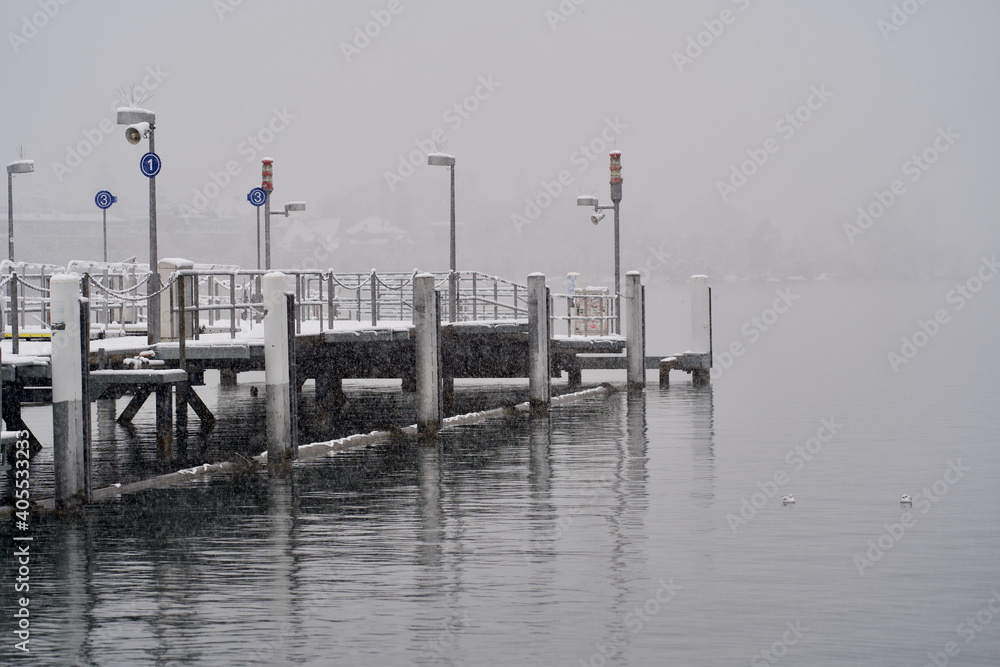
(15, 167)
(142, 123)
(445, 160)
(267, 184)
(616, 198)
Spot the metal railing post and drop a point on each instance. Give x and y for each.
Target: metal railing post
(475, 297)
(196, 304)
(298, 303)
(569, 316)
(15, 328)
(106, 310)
(211, 300)
(374, 298)
(329, 298)
(232, 302)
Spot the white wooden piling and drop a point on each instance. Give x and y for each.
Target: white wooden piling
(701, 324)
(538, 341)
(68, 403)
(635, 344)
(277, 380)
(426, 322)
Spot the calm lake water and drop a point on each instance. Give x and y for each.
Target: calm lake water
(628, 530)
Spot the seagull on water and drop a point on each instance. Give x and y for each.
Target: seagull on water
(906, 499)
(788, 500)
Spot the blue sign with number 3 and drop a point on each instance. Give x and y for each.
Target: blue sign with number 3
(105, 199)
(257, 196)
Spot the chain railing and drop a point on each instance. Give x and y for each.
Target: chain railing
(231, 300)
(117, 307)
(227, 299)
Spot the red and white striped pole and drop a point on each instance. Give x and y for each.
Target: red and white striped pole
(616, 197)
(267, 184)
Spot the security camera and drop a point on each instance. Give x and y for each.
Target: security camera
(135, 133)
(596, 218)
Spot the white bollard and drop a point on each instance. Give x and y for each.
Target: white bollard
(426, 323)
(276, 372)
(635, 343)
(701, 316)
(538, 341)
(67, 391)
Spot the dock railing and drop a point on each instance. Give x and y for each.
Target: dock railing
(24, 296)
(220, 299)
(328, 297)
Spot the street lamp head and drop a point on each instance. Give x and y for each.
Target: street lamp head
(133, 115)
(295, 206)
(440, 160)
(21, 167)
(596, 218)
(585, 200)
(136, 133)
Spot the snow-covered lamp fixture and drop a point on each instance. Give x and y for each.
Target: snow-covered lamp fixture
(16, 167)
(21, 167)
(440, 160)
(292, 206)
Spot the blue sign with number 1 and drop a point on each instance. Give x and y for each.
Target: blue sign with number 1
(150, 164)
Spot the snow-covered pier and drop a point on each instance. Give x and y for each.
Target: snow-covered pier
(301, 325)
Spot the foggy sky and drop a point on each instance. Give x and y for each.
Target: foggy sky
(339, 114)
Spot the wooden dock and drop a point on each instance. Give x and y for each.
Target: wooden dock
(336, 327)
